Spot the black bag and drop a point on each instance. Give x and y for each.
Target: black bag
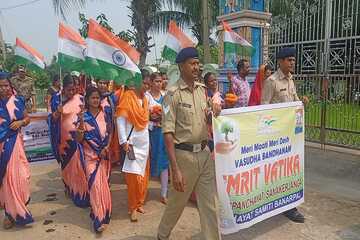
(130, 153)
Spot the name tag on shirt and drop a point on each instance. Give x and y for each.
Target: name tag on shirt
(186, 105)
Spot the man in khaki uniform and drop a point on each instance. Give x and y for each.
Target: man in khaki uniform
(184, 124)
(280, 88)
(24, 86)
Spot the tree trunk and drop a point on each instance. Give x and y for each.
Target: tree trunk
(205, 30)
(142, 22)
(143, 44)
(2, 46)
(143, 59)
(227, 137)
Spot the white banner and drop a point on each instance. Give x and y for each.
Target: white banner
(259, 157)
(36, 139)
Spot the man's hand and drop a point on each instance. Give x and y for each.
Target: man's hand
(79, 135)
(125, 147)
(81, 115)
(104, 153)
(305, 100)
(216, 108)
(16, 124)
(178, 180)
(59, 109)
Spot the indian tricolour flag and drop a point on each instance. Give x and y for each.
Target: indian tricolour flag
(176, 40)
(111, 58)
(71, 50)
(235, 44)
(28, 56)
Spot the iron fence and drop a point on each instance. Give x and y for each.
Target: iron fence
(326, 35)
(332, 115)
(40, 99)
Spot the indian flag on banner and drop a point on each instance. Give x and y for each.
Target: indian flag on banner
(28, 56)
(111, 58)
(234, 43)
(71, 50)
(176, 40)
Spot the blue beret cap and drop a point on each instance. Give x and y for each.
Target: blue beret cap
(4, 75)
(186, 53)
(286, 52)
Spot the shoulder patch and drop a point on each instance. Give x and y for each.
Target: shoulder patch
(201, 84)
(272, 77)
(171, 90)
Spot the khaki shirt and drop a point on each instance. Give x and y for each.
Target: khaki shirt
(279, 88)
(24, 87)
(184, 113)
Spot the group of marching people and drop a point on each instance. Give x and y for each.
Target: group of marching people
(94, 129)
(91, 131)
(90, 134)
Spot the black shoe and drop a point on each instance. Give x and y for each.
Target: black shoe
(294, 215)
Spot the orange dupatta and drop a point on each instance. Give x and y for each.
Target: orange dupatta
(130, 108)
(255, 94)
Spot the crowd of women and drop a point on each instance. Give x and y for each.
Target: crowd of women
(91, 134)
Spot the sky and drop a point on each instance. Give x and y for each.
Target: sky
(37, 23)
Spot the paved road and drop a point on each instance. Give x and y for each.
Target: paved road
(332, 208)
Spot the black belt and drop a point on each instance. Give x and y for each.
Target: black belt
(192, 147)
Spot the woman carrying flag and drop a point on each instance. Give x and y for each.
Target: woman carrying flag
(94, 132)
(14, 167)
(65, 107)
(109, 102)
(132, 122)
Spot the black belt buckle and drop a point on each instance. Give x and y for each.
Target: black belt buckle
(195, 148)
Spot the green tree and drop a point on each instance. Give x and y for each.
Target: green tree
(227, 128)
(54, 68)
(286, 8)
(9, 63)
(214, 53)
(145, 16)
(189, 14)
(42, 79)
(103, 21)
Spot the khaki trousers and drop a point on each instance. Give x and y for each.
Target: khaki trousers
(198, 170)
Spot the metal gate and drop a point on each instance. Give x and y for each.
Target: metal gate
(326, 35)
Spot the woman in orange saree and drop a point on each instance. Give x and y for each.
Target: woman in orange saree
(94, 132)
(65, 107)
(14, 167)
(132, 122)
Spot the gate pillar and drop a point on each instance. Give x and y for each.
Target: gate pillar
(251, 19)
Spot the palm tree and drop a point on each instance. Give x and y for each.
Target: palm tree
(62, 7)
(189, 14)
(145, 15)
(149, 15)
